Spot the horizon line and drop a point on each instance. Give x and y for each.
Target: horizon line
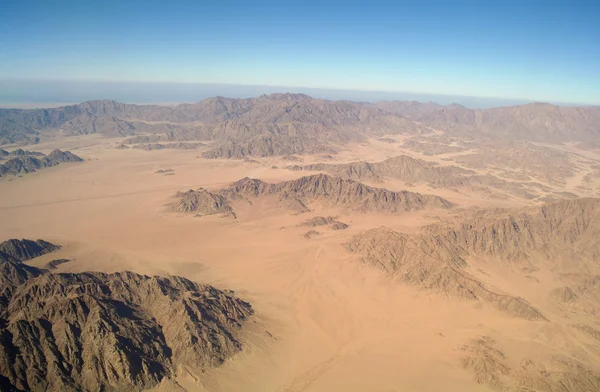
(290, 89)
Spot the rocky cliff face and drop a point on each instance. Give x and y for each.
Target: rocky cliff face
(111, 332)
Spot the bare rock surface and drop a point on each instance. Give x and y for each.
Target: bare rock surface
(339, 192)
(123, 331)
(22, 250)
(296, 196)
(201, 202)
(311, 234)
(422, 262)
(491, 367)
(29, 162)
(324, 221)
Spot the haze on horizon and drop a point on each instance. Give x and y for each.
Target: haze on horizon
(477, 55)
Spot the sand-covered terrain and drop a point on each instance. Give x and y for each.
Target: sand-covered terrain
(418, 260)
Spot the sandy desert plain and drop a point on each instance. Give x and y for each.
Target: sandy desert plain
(357, 280)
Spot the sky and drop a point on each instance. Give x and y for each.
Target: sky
(526, 50)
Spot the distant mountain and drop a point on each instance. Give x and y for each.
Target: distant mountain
(414, 171)
(15, 132)
(265, 125)
(401, 167)
(30, 161)
(534, 122)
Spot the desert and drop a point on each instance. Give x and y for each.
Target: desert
(290, 243)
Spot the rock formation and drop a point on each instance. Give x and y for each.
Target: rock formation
(201, 202)
(401, 167)
(161, 146)
(422, 262)
(324, 221)
(491, 367)
(296, 196)
(29, 162)
(121, 331)
(22, 250)
(338, 192)
(311, 234)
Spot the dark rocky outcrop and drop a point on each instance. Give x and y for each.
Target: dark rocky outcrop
(201, 202)
(29, 162)
(22, 250)
(109, 332)
(296, 195)
(339, 192)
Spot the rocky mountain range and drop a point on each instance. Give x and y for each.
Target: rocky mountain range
(415, 171)
(562, 237)
(280, 124)
(19, 152)
(420, 261)
(30, 161)
(110, 332)
(534, 121)
(297, 195)
(401, 167)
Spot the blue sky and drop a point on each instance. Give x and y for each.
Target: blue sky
(523, 50)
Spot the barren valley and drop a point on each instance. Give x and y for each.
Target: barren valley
(285, 243)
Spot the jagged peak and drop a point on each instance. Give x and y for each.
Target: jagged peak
(24, 249)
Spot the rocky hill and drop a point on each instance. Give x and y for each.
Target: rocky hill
(29, 161)
(317, 221)
(490, 366)
(123, 331)
(19, 152)
(22, 250)
(296, 196)
(336, 191)
(162, 146)
(266, 146)
(414, 261)
(201, 202)
(415, 171)
(567, 230)
(401, 167)
(561, 237)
